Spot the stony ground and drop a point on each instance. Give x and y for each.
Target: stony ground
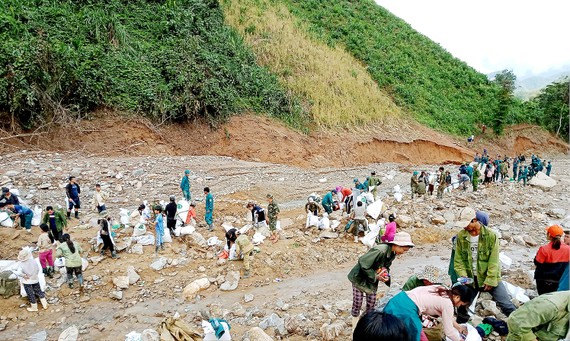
(298, 290)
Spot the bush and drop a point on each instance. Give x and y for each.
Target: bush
(171, 60)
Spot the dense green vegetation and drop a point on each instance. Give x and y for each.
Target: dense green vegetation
(549, 109)
(167, 60)
(437, 88)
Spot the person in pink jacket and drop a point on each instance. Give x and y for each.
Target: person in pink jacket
(390, 230)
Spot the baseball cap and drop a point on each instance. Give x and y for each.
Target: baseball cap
(555, 231)
(466, 215)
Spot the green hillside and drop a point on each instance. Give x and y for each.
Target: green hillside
(440, 90)
(167, 60)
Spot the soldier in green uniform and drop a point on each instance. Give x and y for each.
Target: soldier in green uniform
(414, 181)
(475, 181)
(272, 213)
(374, 181)
(209, 217)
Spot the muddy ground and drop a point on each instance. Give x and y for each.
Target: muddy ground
(302, 278)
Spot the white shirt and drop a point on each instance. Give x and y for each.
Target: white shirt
(474, 248)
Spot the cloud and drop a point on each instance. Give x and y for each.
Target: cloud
(526, 36)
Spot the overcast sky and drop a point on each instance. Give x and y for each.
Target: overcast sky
(527, 37)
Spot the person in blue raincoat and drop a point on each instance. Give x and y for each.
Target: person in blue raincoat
(185, 185)
(548, 168)
(209, 217)
(469, 169)
(515, 167)
(523, 175)
(358, 185)
(328, 201)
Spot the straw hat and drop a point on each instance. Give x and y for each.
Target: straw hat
(432, 274)
(24, 255)
(402, 239)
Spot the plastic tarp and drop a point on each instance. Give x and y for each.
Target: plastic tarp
(516, 292)
(125, 216)
(167, 238)
(258, 238)
(187, 229)
(5, 220)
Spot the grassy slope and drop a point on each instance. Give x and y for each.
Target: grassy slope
(441, 91)
(337, 88)
(167, 60)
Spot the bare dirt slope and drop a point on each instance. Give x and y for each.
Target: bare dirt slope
(257, 138)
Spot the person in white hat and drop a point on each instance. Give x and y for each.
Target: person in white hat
(477, 257)
(372, 268)
(28, 271)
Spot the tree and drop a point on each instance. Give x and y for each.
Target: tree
(506, 81)
(552, 108)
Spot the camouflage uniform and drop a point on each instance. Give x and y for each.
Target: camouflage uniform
(272, 211)
(442, 185)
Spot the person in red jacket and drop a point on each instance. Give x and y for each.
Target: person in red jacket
(551, 261)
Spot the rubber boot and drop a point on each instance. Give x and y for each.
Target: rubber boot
(245, 274)
(68, 214)
(114, 254)
(102, 253)
(34, 307)
(46, 272)
(76, 214)
(156, 250)
(44, 303)
(354, 322)
(210, 228)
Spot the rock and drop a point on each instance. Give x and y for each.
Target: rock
(504, 227)
(159, 264)
(138, 172)
(449, 216)
(519, 240)
(116, 294)
(332, 331)
(137, 249)
(248, 298)
(122, 282)
(132, 275)
(95, 260)
(12, 173)
(543, 181)
(118, 188)
(328, 235)
(195, 287)
(41, 336)
(275, 322)
(221, 261)
(198, 239)
(404, 220)
(232, 281)
(436, 220)
(529, 240)
(150, 335)
(557, 213)
(286, 222)
(257, 334)
(489, 308)
(70, 334)
(517, 216)
(44, 186)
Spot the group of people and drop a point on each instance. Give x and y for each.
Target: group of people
(474, 267)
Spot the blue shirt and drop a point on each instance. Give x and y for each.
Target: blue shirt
(73, 191)
(22, 210)
(209, 203)
(159, 223)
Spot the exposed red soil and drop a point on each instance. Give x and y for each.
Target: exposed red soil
(258, 138)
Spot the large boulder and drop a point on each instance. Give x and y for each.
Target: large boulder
(542, 180)
(404, 220)
(195, 287)
(232, 281)
(257, 334)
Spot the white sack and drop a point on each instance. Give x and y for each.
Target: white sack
(374, 209)
(5, 220)
(37, 218)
